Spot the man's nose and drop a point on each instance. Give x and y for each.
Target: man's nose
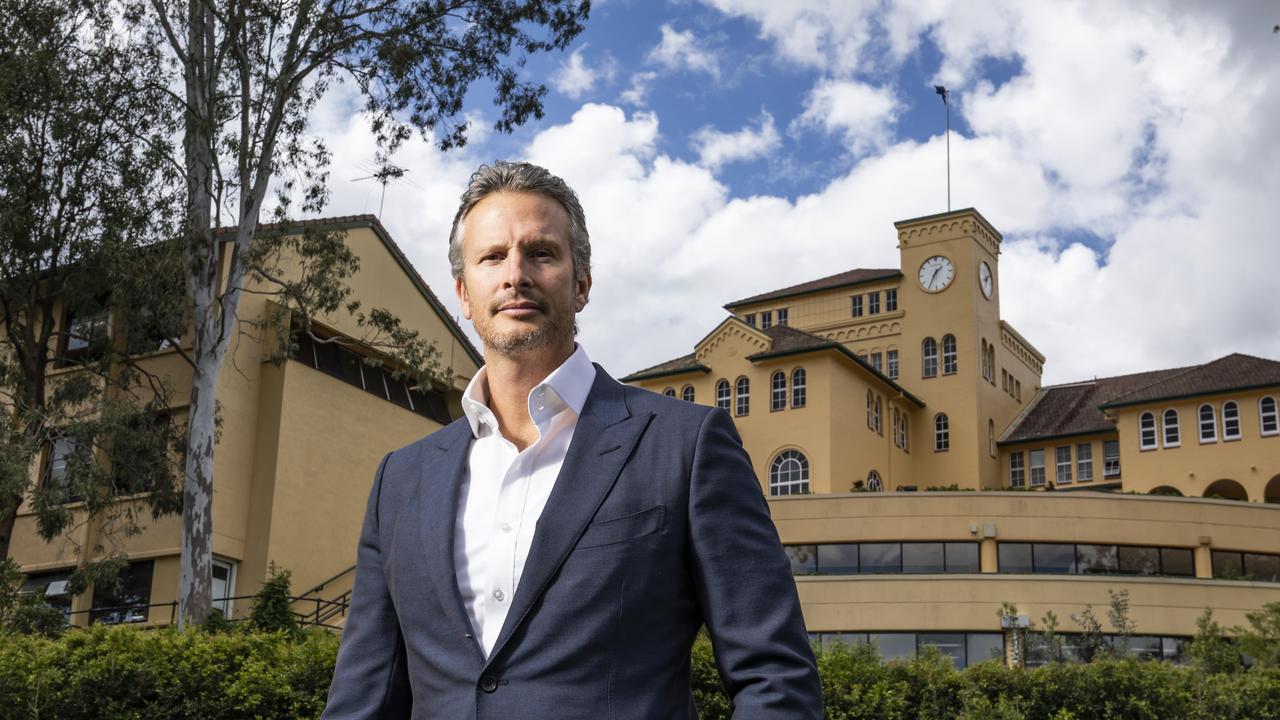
(518, 270)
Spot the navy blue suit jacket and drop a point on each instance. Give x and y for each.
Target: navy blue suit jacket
(656, 526)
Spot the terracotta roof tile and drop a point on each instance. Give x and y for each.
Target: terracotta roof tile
(682, 364)
(844, 279)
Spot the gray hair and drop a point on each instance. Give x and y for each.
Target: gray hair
(503, 176)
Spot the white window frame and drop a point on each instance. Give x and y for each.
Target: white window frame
(891, 364)
(724, 394)
(991, 437)
(784, 316)
(1272, 417)
(928, 358)
(1062, 468)
(1033, 467)
(777, 391)
(877, 361)
(941, 433)
(870, 403)
(1084, 462)
(669, 392)
(1147, 431)
(855, 309)
(799, 388)
(225, 603)
(1210, 424)
(891, 300)
(750, 319)
(1110, 469)
(742, 396)
(766, 319)
(687, 393)
(950, 357)
(873, 303)
(879, 417)
(874, 483)
(1166, 427)
(793, 485)
(1017, 470)
(1234, 417)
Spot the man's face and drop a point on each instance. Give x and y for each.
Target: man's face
(518, 286)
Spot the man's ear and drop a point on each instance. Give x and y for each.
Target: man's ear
(464, 300)
(582, 291)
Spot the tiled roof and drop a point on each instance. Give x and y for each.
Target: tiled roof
(844, 279)
(682, 364)
(1076, 408)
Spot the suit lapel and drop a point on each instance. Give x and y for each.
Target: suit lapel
(441, 485)
(602, 441)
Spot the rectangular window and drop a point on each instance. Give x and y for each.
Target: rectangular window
(962, 557)
(750, 319)
(1147, 431)
(839, 559)
(1014, 558)
(1269, 416)
(57, 475)
(1097, 560)
(1262, 568)
(857, 305)
(877, 361)
(1110, 458)
(1084, 462)
(52, 586)
(1230, 421)
(923, 557)
(891, 300)
(1055, 558)
(224, 579)
(129, 605)
(804, 559)
(1016, 476)
(1017, 390)
(880, 558)
(1139, 560)
(1177, 561)
(766, 319)
(86, 336)
(1227, 565)
(783, 314)
(892, 357)
(873, 303)
(1037, 467)
(1064, 464)
(1004, 379)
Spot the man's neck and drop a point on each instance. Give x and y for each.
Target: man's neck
(510, 379)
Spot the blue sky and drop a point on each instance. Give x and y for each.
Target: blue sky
(1130, 154)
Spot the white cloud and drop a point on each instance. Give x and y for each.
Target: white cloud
(715, 148)
(681, 50)
(638, 93)
(862, 114)
(574, 78)
(825, 34)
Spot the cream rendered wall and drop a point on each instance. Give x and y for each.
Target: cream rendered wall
(1191, 468)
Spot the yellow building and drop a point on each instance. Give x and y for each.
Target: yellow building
(299, 444)
(854, 390)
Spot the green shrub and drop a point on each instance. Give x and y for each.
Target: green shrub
(272, 609)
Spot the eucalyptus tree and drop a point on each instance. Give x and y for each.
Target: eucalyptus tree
(88, 192)
(253, 71)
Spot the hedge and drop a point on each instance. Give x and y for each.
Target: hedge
(120, 673)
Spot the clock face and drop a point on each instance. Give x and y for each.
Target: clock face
(985, 279)
(936, 273)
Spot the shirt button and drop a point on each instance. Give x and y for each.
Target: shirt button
(498, 595)
(506, 527)
(488, 683)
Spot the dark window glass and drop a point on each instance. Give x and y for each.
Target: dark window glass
(831, 640)
(328, 360)
(1227, 565)
(881, 558)
(1178, 561)
(1144, 647)
(923, 558)
(1014, 557)
(962, 557)
(129, 604)
(1265, 568)
(1096, 560)
(804, 559)
(52, 586)
(1054, 558)
(306, 349)
(351, 367)
(983, 647)
(397, 391)
(1139, 560)
(431, 405)
(951, 644)
(895, 646)
(838, 559)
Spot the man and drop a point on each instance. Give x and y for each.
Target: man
(553, 553)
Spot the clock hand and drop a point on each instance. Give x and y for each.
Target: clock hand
(934, 275)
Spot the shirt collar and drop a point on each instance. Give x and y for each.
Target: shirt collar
(566, 387)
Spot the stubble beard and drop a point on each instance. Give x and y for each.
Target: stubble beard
(558, 329)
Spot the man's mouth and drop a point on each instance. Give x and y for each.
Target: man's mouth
(519, 308)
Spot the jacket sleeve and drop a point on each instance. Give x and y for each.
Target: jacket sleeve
(370, 681)
(744, 584)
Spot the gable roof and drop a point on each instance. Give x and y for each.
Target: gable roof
(679, 366)
(845, 279)
(1078, 408)
(786, 340)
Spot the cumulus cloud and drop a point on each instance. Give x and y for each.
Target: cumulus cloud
(826, 34)
(575, 78)
(862, 114)
(682, 51)
(638, 93)
(715, 148)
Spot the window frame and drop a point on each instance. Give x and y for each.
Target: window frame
(742, 396)
(777, 392)
(1209, 423)
(1147, 438)
(777, 483)
(669, 391)
(1084, 460)
(1059, 476)
(750, 319)
(950, 355)
(877, 361)
(1265, 417)
(891, 364)
(1228, 436)
(873, 303)
(1107, 458)
(855, 308)
(1166, 426)
(941, 433)
(784, 316)
(799, 388)
(688, 393)
(724, 400)
(766, 319)
(928, 358)
(1032, 467)
(1017, 469)
(891, 300)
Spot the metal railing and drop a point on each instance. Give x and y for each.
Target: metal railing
(318, 612)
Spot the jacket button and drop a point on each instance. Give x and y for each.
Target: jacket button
(488, 683)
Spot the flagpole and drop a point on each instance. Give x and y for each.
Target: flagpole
(942, 92)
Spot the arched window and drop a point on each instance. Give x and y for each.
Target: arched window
(789, 474)
(686, 394)
(798, 389)
(724, 398)
(905, 435)
(929, 357)
(982, 358)
(743, 405)
(1147, 431)
(941, 433)
(1208, 424)
(879, 426)
(871, 424)
(950, 362)
(778, 394)
(1230, 421)
(900, 429)
(991, 437)
(669, 392)
(1172, 433)
(874, 484)
(1268, 417)
(991, 364)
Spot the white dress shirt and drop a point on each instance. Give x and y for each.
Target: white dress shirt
(505, 491)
